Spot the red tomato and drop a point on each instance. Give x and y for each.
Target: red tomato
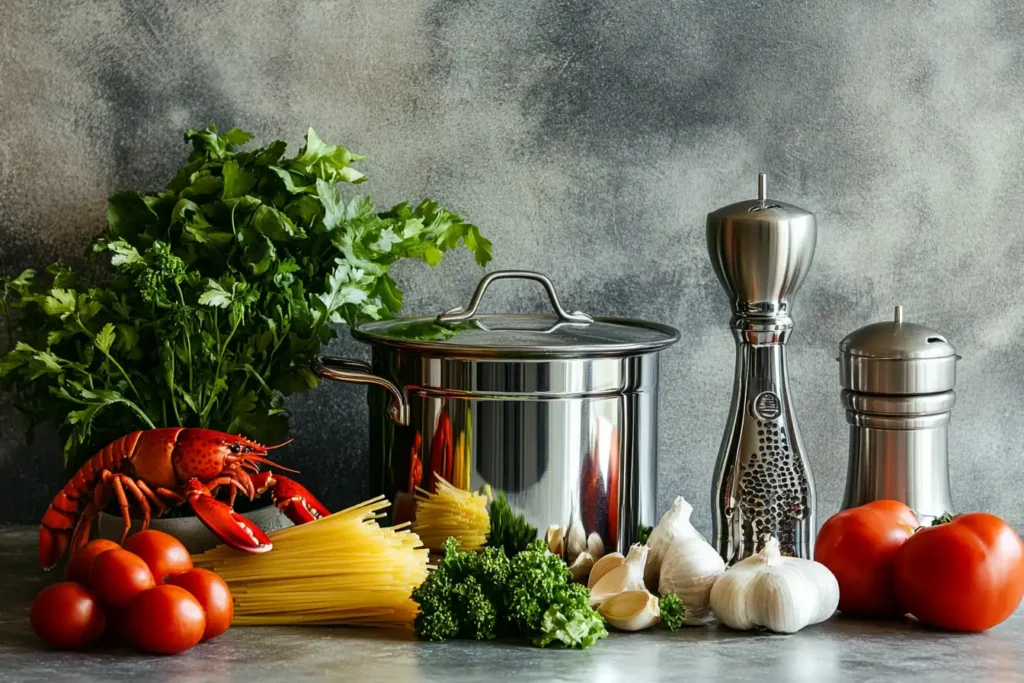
(67, 615)
(213, 594)
(117, 576)
(166, 620)
(78, 565)
(965, 575)
(164, 554)
(859, 546)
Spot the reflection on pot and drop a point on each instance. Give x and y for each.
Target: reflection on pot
(599, 480)
(442, 452)
(415, 464)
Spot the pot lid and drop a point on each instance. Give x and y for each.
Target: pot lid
(897, 340)
(465, 333)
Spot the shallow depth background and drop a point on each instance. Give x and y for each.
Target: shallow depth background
(588, 140)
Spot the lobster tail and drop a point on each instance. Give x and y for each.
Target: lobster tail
(52, 544)
(64, 523)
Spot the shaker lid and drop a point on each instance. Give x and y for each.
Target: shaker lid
(897, 359)
(897, 340)
(465, 333)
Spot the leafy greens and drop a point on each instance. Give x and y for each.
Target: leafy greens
(482, 595)
(221, 289)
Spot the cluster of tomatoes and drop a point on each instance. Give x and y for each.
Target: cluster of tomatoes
(146, 593)
(965, 573)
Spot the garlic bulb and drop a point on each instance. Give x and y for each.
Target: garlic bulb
(604, 565)
(674, 525)
(779, 593)
(689, 566)
(628, 576)
(632, 610)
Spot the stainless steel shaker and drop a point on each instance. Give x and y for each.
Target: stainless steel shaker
(898, 380)
(761, 250)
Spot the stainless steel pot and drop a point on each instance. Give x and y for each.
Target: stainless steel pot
(558, 411)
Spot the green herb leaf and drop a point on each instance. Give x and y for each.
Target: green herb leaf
(215, 295)
(672, 611)
(105, 339)
(509, 531)
(218, 292)
(237, 181)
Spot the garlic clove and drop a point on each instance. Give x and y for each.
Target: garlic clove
(575, 542)
(632, 610)
(580, 569)
(604, 565)
(628, 576)
(555, 539)
(595, 546)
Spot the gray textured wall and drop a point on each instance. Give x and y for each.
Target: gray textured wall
(588, 139)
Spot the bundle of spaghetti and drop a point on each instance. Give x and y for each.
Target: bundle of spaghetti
(451, 512)
(342, 569)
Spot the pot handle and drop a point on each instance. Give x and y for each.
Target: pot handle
(460, 314)
(359, 372)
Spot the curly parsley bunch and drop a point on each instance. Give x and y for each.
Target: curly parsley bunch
(220, 291)
(482, 595)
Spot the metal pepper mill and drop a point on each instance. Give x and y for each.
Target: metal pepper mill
(761, 250)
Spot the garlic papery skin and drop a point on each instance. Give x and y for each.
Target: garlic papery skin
(555, 538)
(580, 569)
(628, 576)
(631, 610)
(575, 541)
(782, 594)
(689, 569)
(595, 546)
(604, 565)
(674, 526)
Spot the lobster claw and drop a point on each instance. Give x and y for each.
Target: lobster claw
(290, 497)
(229, 526)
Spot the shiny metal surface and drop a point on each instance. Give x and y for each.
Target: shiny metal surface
(571, 441)
(358, 372)
(461, 314)
(897, 357)
(908, 465)
(898, 379)
(466, 334)
(761, 251)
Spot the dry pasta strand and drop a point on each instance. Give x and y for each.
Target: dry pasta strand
(451, 512)
(342, 569)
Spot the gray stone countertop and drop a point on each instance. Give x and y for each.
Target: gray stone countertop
(838, 650)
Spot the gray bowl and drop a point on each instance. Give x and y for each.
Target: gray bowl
(189, 530)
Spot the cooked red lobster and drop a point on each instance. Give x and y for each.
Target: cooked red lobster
(159, 468)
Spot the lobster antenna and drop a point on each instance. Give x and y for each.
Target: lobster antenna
(285, 443)
(271, 463)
